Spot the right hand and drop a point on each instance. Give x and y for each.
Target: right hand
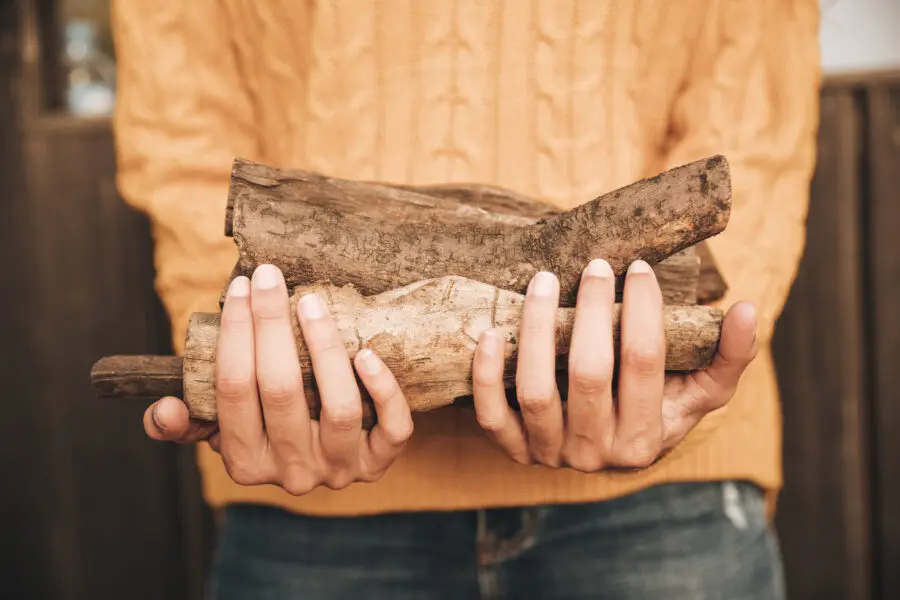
(265, 434)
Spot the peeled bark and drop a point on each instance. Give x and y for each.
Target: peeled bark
(378, 237)
(427, 333)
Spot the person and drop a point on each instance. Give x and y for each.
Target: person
(660, 486)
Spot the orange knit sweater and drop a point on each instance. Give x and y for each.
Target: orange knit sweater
(560, 99)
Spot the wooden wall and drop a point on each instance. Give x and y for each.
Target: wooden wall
(90, 507)
(835, 348)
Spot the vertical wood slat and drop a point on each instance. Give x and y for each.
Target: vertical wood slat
(823, 516)
(103, 512)
(27, 558)
(883, 262)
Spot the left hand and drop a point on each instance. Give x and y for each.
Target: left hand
(648, 413)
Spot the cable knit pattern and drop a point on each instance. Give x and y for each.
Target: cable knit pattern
(561, 99)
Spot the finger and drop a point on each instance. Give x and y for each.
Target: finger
(215, 442)
(737, 349)
(638, 435)
(167, 419)
(589, 406)
(395, 425)
(492, 410)
(237, 401)
(709, 389)
(536, 370)
(279, 377)
(340, 421)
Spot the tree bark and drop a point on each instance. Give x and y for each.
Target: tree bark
(673, 273)
(138, 377)
(427, 333)
(378, 237)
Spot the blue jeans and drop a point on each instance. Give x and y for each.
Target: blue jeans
(675, 541)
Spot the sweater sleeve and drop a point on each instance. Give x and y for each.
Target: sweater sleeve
(752, 95)
(182, 116)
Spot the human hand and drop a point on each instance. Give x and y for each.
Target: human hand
(631, 425)
(265, 434)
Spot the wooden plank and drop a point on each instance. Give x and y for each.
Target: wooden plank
(883, 262)
(823, 515)
(28, 560)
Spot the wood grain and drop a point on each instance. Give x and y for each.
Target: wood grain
(379, 237)
(427, 333)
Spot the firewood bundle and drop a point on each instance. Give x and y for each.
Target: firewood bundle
(417, 273)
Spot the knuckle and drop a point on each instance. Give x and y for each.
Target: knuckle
(397, 434)
(643, 358)
(298, 480)
(587, 379)
(522, 458)
(583, 453)
(242, 473)
(232, 385)
(343, 416)
(491, 421)
(585, 462)
(483, 376)
(278, 394)
(640, 453)
(546, 457)
(339, 480)
(372, 476)
(385, 391)
(536, 400)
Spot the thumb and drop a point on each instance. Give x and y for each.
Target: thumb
(737, 349)
(168, 420)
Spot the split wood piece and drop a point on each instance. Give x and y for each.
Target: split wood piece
(686, 277)
(427, 332)
(674, 281)
(379, 237)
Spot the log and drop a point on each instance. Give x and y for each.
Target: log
(139, 377)
(427, 333)
(673, 273)
(378, 237)
(711, 286)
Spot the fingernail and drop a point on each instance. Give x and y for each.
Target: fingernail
(599, 268)
(312, 307)
(543, 284)
(490, 342)
(369, 362)
(265, 277)
(240, 287)
(154, 416)
(639, 266)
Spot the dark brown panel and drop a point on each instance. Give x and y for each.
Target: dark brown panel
(823, 515)
(27, 556)
(118, 509)
(883, 262)
(96, 510)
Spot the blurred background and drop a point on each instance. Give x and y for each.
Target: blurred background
(89, 508)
